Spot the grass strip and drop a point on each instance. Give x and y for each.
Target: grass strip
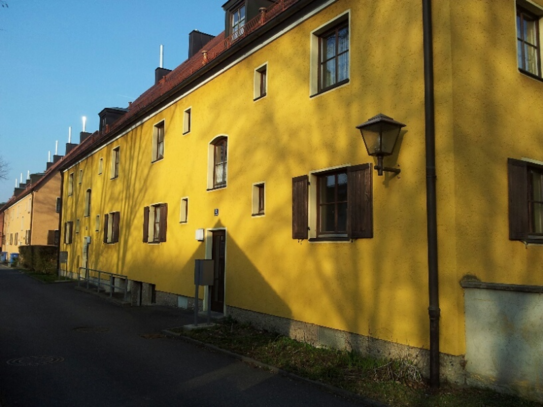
(392, 382)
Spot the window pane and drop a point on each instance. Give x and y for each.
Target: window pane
(220, 175)
(537, 190)
(327, 189)
(519, 33)
(343, 67)
(329, 45)
(343, 40)
(342, 217)
(342, 187)
(327, 218)
(330, 73)
(538, 218)
(531, 59)
(530, 32)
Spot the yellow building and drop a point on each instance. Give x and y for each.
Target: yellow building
(249, 153)
(31, 216)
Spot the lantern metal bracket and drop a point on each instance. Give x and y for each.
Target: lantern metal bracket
(380, 168)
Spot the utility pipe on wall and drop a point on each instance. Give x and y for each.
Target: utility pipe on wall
(431, 202)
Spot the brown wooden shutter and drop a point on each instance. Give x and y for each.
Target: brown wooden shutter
(300, 207)
(145, 224)
(163, 222)
(116, 222)
(360, 201)
(106, 220)
(517, 172)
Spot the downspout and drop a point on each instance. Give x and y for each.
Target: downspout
(60, 222)
(32, 197)
(431, 204)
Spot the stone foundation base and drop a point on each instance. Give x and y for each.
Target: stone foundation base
(452, 367)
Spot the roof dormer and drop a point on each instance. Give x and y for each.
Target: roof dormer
(239, 12)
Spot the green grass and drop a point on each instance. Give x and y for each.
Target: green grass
(44, 277)
(393, 382)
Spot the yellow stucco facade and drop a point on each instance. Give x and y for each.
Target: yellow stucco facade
(486, 112)
(31, 217)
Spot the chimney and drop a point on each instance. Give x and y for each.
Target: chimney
(56, 158)
(197, 40)
(49, 165)
(83, 135)
(35, 178)
(161, 73)
(70, 147)
(17, 191)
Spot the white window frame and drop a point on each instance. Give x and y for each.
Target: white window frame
(537, 11)
(116, 151)
(70, 184)
(184, 210)
(257, 82)
(256, 199)
(151, 238)
(211, 162)
(187, 120)
(314, 53)
(88, 197)
(156, 126)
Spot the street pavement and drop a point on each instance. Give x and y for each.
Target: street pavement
(63, 347)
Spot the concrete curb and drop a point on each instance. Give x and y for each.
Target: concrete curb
(253, 362)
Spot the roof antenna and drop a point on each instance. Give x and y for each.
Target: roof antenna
(161, 56)
(69, 134)
(84, 118)
(56, 147)
(28, 174)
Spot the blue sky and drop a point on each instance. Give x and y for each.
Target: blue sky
(64, 59)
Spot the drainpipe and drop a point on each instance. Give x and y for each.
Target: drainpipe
(431, 204)
(60, 235)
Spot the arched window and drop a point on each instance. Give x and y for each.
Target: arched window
(219, 154)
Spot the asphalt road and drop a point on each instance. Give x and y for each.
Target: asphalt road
(63, 347)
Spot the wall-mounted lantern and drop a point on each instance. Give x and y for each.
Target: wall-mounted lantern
(380, 134)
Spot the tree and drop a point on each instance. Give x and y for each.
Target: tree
(4, 168)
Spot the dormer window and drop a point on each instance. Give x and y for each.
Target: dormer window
(237, 20)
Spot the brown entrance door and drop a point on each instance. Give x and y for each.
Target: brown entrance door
(218, 246)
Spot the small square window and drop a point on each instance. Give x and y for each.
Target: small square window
(70, 184)
(87, 202)
(158, 142)
(187, 121)
(261, 82)
(259, 199)
(184, 216)
(115, 162)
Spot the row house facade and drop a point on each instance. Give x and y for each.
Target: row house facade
(248, 153)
